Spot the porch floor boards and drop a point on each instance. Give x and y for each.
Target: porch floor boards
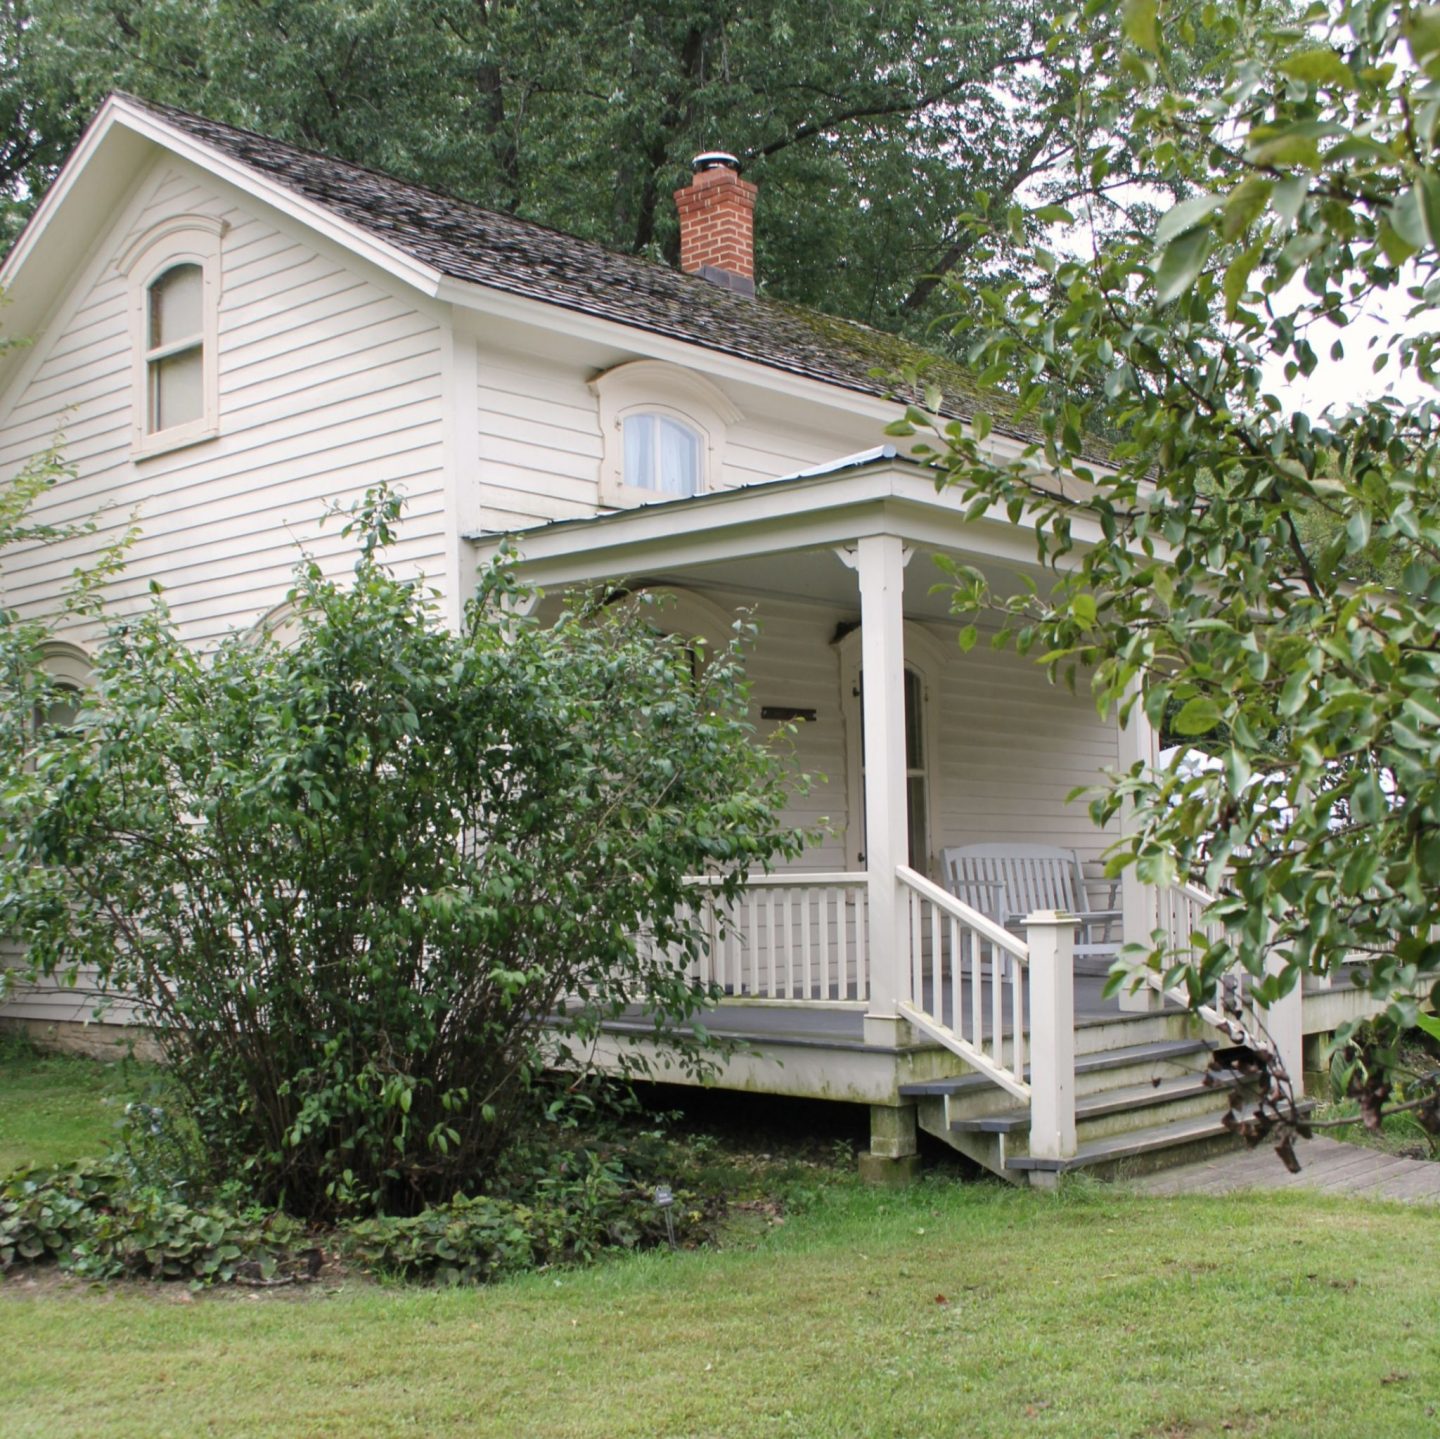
(801, 1022)
(1327, 1166)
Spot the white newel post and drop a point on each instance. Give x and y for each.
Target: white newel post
(880, 567)
(1136, 741)
(1051, 940)
(1285, 1019)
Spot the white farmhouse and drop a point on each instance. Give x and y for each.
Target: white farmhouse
(227, 335)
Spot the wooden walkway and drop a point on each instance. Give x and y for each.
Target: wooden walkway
(1328, 1167)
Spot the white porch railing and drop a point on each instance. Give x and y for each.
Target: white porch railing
(1180, 914)
(790, 936)
(963, 968)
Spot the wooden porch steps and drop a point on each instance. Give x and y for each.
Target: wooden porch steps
(1183, 1135)
(1137, 1107)
(1157, 1052)
(1098, 1106)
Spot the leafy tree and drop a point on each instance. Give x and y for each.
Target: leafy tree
(1269, 577)
(367, 885)
(869, 126)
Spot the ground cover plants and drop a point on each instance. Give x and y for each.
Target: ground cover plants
(107, 1193)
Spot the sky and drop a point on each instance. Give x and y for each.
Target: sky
(1352, 378)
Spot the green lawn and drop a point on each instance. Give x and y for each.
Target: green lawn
(946, 1310)
(54, 1108)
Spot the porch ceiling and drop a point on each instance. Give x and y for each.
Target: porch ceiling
(778, 537)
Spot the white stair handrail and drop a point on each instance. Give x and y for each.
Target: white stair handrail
(942, 926)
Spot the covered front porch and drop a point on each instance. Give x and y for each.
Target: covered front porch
(859, 973)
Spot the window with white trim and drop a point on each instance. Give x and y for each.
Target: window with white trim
(175, 348)
(663, 429)
(174, 274)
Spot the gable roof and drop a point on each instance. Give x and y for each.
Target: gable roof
(484, 247)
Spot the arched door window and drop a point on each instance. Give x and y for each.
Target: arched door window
(917, 773)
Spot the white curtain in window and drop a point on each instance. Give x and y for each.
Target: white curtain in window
(176, 300)
(661, 454)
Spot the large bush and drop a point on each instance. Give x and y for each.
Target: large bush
(368, 883)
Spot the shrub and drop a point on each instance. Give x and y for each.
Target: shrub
(367, 886)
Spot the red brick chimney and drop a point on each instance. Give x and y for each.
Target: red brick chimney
(717, 224)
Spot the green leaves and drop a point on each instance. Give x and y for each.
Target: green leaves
(1180, 264)
(1196, 716)
(1318, 66)
(1421, 26)
(1188, 215)
(1138, 21)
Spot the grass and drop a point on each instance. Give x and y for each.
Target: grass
(1400, 1134)
(55, 1108)
(943, 1310)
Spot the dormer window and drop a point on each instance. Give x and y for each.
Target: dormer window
(663, 430)
(175, 356)
(174, 274)
(662, 454)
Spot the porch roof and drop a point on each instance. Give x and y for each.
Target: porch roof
(879, 492)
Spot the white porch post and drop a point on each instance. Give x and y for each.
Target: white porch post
(1136, 742)
(1050, 938)
(880, 568)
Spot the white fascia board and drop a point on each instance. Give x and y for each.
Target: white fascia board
(120, 112)
(763, 519)
(316, 217)
(54, 198)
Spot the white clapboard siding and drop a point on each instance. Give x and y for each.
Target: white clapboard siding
(1012, 748)
(539, 441)
(794, 664)
(755, 452)
(53, 1001)
(329, 382)
(540, 446)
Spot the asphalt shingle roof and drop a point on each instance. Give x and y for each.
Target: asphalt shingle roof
(467, 242)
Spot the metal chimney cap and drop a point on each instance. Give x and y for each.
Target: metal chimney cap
(715, 160)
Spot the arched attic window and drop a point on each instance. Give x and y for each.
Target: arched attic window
(663, 429)
(174, 275)
(175, 348)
